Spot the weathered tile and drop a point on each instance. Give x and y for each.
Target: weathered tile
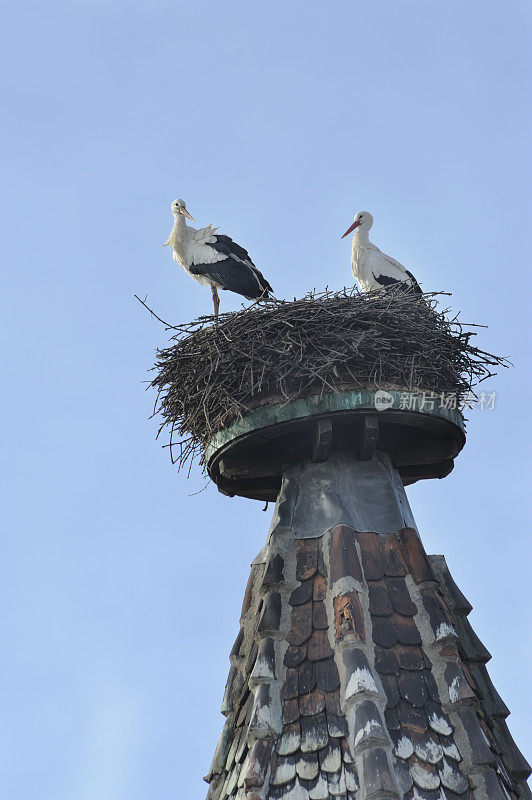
(314, 733)
(270, 617)
(432, 686)
(493, 787)
(336, 781)
(389, 684)
(474, 649)
(480, 751)
(380, 604)
(321, 789)
(459, 688)
(425, 775)
(383, 632)
(318, 646)
(415, 556)
(307, 558)
(265, 718)
(327, 676)
(290, 686)
(332, 702)
(301, 624)
(427, 746)
(403, 776)
(451, 777)
(367, 725)
(439, 616)
(331, 757)
(290, 711)
(257, 763)
(290, 740)
(415, 719)
(348, 616)
(284, 792)
(409, 657)
(449, 748)
(283, 770)
(392, 557)
(403, 746)
(412, 687)
(386, 661)
(307, 766)
(438, 720)
(307, 677)
(371, 556)
(319, 616)
(400, 597)
(264, 669)
(337, 725)
(376, 777)
(319, 588)
(343, 556)
(302, 594)
(358, 677)
(311, 703)
(392, 719)
(294, 655)
(274, 572)
(347, 755)
(406, 628)
(351, 777)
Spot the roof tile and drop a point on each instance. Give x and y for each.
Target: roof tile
(302, 594)
(314, 733)
(301, 624)
(415, 556)
(379, 599)
(400, 596)
(307, 558)
(311, 703)
(394, 564)
(307, 766)
(318, 646)
(371, 556)
(343, 555)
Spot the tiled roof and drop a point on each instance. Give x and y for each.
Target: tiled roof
(356, 675)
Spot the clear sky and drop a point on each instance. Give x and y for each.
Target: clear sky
(121, 592)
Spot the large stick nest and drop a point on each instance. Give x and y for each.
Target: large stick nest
(279, 350)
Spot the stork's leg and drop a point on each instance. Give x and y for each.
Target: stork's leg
(216, 301)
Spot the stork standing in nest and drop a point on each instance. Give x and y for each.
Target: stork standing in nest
(214, 260)
(372, 268)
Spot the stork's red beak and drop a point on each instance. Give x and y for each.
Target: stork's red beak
(187, 215)
(355, 224)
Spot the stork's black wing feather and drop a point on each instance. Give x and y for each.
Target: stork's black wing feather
(386, 280)
(415, 284)
(225, 244)
(237, 272)
(234, 276)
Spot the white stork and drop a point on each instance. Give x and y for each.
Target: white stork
(372, 268)
(214, 260)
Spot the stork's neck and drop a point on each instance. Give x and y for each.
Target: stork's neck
(180, 226)
(360, 236)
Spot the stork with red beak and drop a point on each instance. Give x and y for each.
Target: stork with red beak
(372, 268)
(213, 259)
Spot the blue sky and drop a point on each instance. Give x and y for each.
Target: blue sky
(120, 591)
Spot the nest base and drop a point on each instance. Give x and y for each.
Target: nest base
(249, 458)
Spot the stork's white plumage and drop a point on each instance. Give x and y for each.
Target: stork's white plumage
(213, 259)
(372, 268)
